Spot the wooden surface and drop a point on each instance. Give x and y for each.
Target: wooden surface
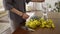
(45, 30)
(20, 31)
(49, 31)
(42, 31)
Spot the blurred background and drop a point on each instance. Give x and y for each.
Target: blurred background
(31, 6)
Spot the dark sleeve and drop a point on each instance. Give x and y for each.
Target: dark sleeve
(8, 4)
(27, 1)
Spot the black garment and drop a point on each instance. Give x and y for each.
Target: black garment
(19, 5)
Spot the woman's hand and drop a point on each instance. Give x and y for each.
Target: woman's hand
(25, 16)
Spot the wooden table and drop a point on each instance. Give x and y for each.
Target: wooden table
(43, 31)
(49, 31)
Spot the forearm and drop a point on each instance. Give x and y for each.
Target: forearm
(17, 12)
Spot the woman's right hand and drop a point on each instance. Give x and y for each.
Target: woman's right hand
(25, 16)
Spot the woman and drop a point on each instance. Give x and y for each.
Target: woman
(17, 12)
